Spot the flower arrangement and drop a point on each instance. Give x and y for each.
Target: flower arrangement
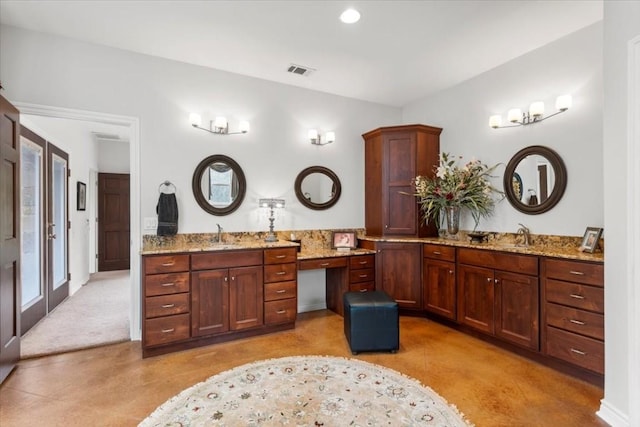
(455, 186)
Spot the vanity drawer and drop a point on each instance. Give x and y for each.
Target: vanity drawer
(365, 275)
(362, 287)
(523, 264)
(314, 264)
(279, 272)
(163, 330)
(574, 271)
(225, 259)
(281, 311)
(574, 320)
(445, 253)
(575, 295)
(165, 263)
(280, 256)
(576, 349)
(280, 290)
(164, 284)
(166, 305)
(362, 261)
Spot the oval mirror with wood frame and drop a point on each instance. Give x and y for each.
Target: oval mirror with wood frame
(317, 187)
(535, 179)
(219, 185)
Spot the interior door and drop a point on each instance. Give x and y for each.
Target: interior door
(32, 228)
(58, 226)
(113, 222)
(9, 238)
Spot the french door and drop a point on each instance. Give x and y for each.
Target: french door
(44, 218)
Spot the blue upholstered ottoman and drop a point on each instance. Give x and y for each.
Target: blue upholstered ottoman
(371, 321)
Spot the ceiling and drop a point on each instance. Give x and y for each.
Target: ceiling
(398, 52)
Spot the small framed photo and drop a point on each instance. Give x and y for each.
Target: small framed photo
(344, 240)
(82, 196)
(591, 239)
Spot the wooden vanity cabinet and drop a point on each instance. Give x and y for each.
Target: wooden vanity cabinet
(280, 286)
(394, 156)
(165, 305)
(398, 271)
(226, 292)
(498, 294)
(439, 280)
(573, 312)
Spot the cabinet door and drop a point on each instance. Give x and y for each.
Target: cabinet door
(246, 306)
(439, 287)
(209, 302)
(398, 273)
(476, 297)
(400, 210)
(517, 318)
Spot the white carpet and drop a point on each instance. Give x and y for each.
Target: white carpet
(97, 314)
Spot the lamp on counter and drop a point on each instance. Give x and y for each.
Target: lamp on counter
(271, 204)
(534, 115)
(316, 139)
(219, 126)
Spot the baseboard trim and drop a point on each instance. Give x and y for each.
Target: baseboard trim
(612, 415)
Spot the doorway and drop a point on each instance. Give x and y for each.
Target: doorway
(132, 124)
(44, 227)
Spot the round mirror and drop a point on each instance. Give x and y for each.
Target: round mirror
(219, 185)
(535, 179)
(318, 187)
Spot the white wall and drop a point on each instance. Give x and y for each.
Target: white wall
(162, 93)
(621, 24)
(113, 157)
(571, 65)
(83, 156)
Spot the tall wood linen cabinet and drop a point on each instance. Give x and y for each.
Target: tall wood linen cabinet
(394, 156)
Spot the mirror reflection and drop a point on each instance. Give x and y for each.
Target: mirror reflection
(317, 187)
(219, 185)
(535, 179)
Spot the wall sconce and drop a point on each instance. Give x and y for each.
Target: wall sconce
(316, 139)
(534, 115)
(271, 204)
(218, 126)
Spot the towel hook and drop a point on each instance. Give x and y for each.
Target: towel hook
(167, 184)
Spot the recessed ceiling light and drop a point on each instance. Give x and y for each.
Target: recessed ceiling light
(350, 16)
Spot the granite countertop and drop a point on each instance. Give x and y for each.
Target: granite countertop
(552, 246)
(332, 253)
(163, 247)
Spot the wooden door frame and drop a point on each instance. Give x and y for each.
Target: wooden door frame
(133, 123)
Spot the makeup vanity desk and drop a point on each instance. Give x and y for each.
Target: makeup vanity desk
(346, 271)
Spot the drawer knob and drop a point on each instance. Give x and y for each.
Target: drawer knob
(576, 296)
(168, 284)
(581, 353)
(281, 291)
(168, 305)
(166, 331)
(577, 273)
(577, 322)
(168, 264)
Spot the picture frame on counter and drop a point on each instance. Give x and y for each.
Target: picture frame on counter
(591, 239)
(344, 240)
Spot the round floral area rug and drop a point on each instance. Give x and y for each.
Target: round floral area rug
(307, 391)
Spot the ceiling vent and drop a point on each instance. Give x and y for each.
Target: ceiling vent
(300, 69)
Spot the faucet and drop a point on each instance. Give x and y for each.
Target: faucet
(219, 236)
(525, 234)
